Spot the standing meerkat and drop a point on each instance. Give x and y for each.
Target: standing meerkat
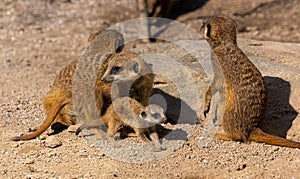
(59, 102)
(127, 112)
(243, 86)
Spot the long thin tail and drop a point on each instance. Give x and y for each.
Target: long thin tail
(59, 103)
(258, 135)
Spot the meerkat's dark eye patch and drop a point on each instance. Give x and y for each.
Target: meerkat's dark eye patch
(156, 115)
(115, 70)
(135, 67)
(143, 114)
(207, 30)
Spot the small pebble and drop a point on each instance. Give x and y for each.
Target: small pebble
(52, 142)
(4, 172)
(205, 161)
(241, 167)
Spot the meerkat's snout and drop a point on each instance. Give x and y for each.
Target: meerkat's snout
(107, 80)
(111, 75)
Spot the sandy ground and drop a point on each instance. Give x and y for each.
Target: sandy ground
(38, 38)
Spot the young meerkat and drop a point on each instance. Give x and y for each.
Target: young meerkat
(59, 102)
(243, 86)
(127, 112)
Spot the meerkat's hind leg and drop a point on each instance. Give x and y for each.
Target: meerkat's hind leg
(89, 125)
(141, 135)
(93, 126)
(101, 135)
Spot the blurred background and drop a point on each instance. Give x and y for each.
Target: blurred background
(57, 30)
(274, 20)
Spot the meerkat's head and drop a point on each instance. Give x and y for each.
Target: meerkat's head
(109, 41)
(217, 30)
(123, 66)
(153, 114)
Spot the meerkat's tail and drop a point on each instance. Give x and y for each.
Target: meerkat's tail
(258, 135)
(57, 106)
(89, 125)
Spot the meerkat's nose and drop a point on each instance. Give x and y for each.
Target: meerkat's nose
(103, 79)
(107, 80)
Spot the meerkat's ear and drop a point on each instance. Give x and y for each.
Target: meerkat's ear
(235, 24)
(143, 114)
(207, 30)
(119, 44)
(93, 36)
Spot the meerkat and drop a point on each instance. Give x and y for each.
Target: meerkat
(59, 102)
(127, 112)
(243, 86)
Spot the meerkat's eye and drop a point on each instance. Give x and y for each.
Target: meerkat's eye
(135, 67)
(207, 30)
(115, 70)
(143, 114)
(156, 115)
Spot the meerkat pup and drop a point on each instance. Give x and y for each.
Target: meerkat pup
(59, 102)
(243, 86)
(127, 112)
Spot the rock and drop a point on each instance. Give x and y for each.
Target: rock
(6, 116)
(241, 167)
(52, 142)
(205, 161)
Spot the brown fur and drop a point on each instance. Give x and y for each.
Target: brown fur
(126, 112)
(243, 86)
(58, 103)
